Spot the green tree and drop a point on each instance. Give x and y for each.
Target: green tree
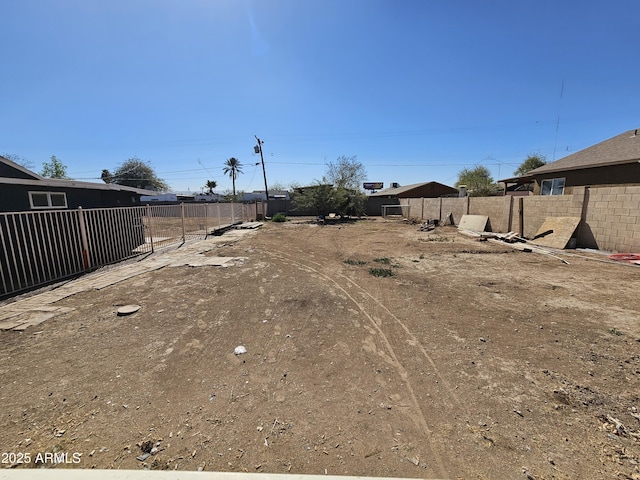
(210, 186)
(233, 168)
(478, 181)
(54, 169)
(321, 197)
(277, 187)
(355, 202)
(135, 173)
(229, 196)
(346, 172)
(532, 162)
(339, 191)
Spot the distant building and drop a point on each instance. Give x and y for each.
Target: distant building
(416, 190)
(615, 161)
(392, 195)
(172, 198)
(259, 195)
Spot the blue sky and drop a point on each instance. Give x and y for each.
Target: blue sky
(417, 90)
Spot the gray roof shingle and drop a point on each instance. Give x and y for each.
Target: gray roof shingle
(623, 148)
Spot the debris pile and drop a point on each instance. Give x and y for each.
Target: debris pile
(517, 242)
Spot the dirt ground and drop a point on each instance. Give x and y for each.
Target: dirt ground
(472, 360)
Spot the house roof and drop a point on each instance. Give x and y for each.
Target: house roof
(390, 192)
(37, 180)
(619, 150)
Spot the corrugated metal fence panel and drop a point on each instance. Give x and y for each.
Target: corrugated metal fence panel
(37, 248)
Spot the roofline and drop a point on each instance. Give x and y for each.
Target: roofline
(24, 170)
(59, 183)
(392, 191)
(530, 176)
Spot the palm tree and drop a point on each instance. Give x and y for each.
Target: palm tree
(210, 185)
(233, 167)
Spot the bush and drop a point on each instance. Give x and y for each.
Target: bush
(384, 260)
(381, 272)
(351, 261)
(279, 217)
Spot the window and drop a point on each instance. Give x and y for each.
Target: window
(553, 186)
(48, 199)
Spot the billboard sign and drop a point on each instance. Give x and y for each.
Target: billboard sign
(373, 185)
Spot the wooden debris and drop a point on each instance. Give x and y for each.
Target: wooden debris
(556, 232)
(513, 240)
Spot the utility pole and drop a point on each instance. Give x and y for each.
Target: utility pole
(258, 149)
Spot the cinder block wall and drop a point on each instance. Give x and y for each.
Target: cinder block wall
(497, 208)
(610, 215)
(456, 206)
(432, 209)
(537, 208)
(415, 204)
(612, 218)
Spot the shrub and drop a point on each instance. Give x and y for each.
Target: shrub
(381, 272)
(384, 260)
(351, 261)
(279, 217)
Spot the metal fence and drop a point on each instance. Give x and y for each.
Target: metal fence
(37, 248)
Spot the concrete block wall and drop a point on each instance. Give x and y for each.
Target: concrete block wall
(497, 208)
(431, 209)
(456, 206)
(537, 208)
(423, 208)
(610, 215)
(415, 204)
(613, 218)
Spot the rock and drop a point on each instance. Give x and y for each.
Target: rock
(128, 310)
(239, 350)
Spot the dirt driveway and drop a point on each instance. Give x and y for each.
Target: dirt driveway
(471, 360)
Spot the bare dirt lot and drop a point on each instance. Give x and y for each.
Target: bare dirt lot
(471, 361)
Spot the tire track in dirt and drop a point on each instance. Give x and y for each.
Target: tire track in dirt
(403, 326)
(392, 356)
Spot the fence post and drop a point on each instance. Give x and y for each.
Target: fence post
(150, 217)
(521, 215)
(184, 234)
(206, 217)
(510, 219)
(83, 238)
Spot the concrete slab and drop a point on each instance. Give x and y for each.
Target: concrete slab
(250, 225)
(33, 310)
